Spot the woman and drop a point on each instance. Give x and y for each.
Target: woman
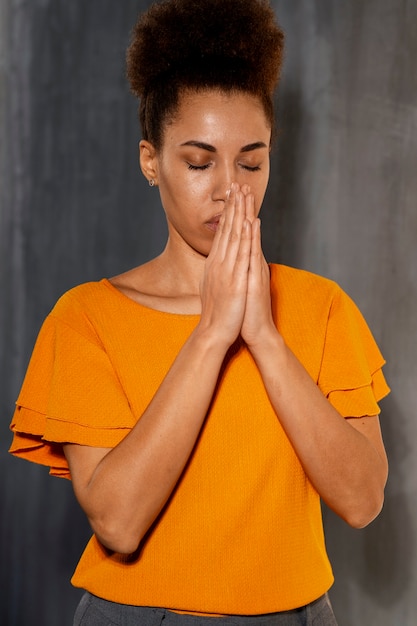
(204, 402)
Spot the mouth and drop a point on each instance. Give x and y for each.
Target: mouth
(213, 223)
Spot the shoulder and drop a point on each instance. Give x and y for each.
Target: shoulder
(84, 305)
(87, 296)
(294, 284)
(301, 295)
(83, 295)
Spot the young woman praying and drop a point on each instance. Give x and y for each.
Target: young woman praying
(204, 402)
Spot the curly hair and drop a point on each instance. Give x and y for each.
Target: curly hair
(178, 45)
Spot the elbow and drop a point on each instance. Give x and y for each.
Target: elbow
(361, 514)
(118, 544)
(115, 537)
(363, 505)
(119, 529)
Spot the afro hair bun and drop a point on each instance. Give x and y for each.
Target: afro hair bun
(202, 42)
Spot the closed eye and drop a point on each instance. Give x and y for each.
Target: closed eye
(251, 168)
(198, 167)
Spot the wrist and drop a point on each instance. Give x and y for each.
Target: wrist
(267, 341)
(208, 341)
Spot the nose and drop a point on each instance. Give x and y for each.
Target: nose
(221, 191)
(224, 176)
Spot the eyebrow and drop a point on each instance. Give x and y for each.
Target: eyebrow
(206, 146)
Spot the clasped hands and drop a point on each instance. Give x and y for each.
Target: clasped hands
(235, 287)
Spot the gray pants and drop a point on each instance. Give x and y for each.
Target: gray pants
(93, 611)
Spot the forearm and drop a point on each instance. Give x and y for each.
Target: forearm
(348, 471)
(130, 485)
(123, 490)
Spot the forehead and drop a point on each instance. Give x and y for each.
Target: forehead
(218, 118)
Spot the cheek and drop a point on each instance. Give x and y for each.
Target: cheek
(181, 200)
(181, 185)
(191, 192)
(198, 188)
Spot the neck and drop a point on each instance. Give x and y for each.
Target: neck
(182, 268)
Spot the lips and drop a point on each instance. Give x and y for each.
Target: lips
(213, 223)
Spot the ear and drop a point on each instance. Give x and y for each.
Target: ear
(148, 160)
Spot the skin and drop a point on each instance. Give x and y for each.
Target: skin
(212, 173)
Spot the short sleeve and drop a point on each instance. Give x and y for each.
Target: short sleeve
(351, 370)
(71, 394)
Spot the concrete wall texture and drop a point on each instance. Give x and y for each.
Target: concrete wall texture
(342, 203)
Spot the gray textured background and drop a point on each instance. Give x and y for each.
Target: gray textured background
(342, 202)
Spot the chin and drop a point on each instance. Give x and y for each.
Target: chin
(200, 246)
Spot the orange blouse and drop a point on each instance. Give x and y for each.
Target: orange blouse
(242, 532)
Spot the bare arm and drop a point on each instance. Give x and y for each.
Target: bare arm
(344, 459)
(123, 490)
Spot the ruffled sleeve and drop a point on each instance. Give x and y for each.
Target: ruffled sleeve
(71, 394)
(351, 370)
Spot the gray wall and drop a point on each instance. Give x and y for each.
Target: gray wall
(342, 202)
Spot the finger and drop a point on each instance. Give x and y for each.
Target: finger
(256, 258)
(256, 235)
(232, 229)
(225, 221)
(250, 207)
(241, 268)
